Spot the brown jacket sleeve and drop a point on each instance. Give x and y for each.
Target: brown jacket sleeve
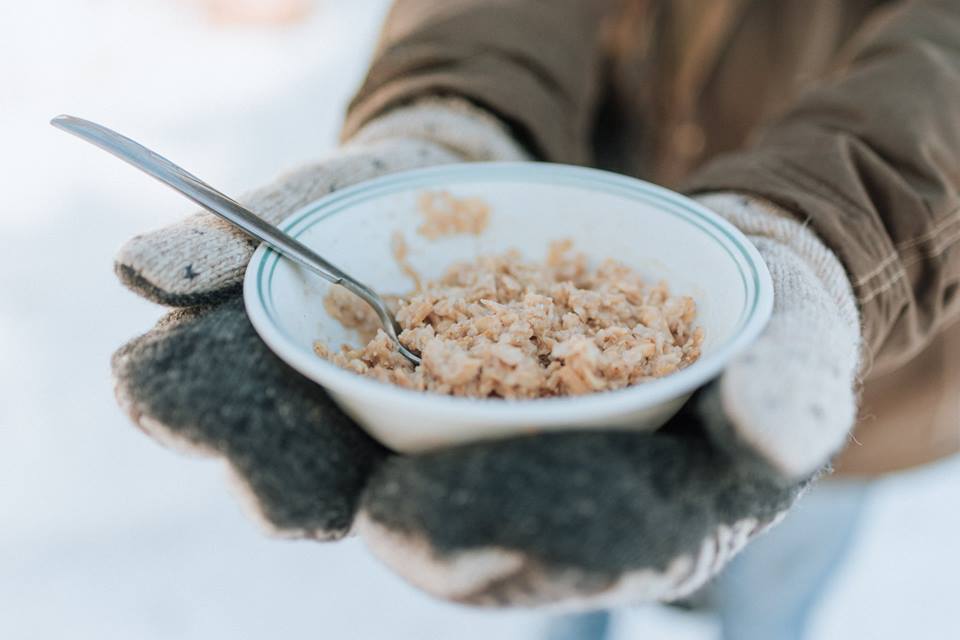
(871, 156)
(534, 63)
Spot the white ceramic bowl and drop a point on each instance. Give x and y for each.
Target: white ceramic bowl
(661, 233)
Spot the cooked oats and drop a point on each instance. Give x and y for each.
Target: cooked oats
(499, 327)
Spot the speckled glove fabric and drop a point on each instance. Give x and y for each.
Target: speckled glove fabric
(202, 259)
(573, 519)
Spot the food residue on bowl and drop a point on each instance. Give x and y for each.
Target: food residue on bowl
(500, 327)
(446, 215)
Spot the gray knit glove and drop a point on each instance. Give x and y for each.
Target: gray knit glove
(579, 518)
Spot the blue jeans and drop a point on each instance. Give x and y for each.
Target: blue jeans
(770, 590)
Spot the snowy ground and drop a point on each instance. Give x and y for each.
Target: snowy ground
(104, 534)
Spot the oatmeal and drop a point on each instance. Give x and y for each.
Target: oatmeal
(499, 327)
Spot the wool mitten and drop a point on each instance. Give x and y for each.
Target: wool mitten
(791, 397)
(202, 380)
(584, 518)
(602, 518)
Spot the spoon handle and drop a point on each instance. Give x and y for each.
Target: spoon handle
(212, 200)
(200, 192)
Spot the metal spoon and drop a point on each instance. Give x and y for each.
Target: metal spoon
(231, 211)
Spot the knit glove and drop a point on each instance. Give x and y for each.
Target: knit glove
(598, 518)
(575, 518)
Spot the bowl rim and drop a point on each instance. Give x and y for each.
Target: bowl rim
(758, 304)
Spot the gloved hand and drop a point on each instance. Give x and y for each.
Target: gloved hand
(578, 518)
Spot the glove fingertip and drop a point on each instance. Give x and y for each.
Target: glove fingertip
(136, 282)
(130, 370)
(286, 517)
(468, 577)
(200, 260)
(794, 422)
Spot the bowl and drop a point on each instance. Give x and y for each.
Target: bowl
(662, 234)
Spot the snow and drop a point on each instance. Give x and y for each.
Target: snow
(106, 535)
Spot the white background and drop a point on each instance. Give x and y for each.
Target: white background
(104, 534)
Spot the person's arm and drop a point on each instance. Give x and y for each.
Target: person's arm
(871, 157)
(536, 65)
